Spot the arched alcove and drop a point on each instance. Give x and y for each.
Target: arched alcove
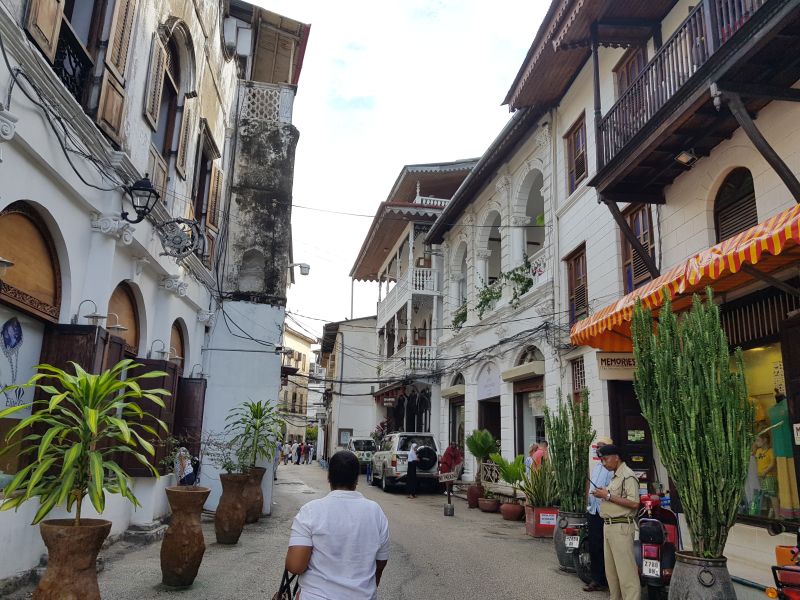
(735, 204)
(123, 312)
(177, 344)
(533, 238)
(252, 274)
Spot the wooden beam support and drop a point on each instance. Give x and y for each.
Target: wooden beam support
(635, 197)
(767, 278)
(598, 113)
(736, 106)
(620, 22)
(760, 90)
(626, 230)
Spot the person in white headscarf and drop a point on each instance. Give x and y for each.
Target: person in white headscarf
(411, 475)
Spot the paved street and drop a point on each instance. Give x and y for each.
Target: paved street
(471, 555)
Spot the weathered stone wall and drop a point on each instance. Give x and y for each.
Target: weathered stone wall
(261, 210)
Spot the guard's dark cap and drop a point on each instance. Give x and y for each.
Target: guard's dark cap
(608, 450)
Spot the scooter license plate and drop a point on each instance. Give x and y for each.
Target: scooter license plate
(651, 568)
(572, 541)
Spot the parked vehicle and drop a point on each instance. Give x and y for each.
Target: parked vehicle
(363, 448)
(786, 576)
(390, 461)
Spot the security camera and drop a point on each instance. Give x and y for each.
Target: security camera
(305, 268)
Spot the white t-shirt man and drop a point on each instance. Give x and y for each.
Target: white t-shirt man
(347, 534)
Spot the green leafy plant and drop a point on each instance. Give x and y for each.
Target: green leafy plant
(312, 431)
(520, 279)
(488, 495)
(88, 420)
(570, 433)
(459, 317)
(481, 444)
(511, 471)
(699, 413)
(539, 485)
(254, 427)
(224, 454)
(488, 295)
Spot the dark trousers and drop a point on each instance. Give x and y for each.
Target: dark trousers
(595, 524)
(411, 479)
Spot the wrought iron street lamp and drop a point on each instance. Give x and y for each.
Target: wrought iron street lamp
(143, 197)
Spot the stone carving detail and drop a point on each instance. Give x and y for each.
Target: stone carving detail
(483, 253)
(8, 126)
(543, 137)
(113, 227)
(208, 317)
(173, 283)
(520, 220)
(503, 184)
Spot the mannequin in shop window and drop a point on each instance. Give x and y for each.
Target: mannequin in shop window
(767, 475)
(788, 501)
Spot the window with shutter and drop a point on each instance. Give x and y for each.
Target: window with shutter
(578, 376)
(577, 285)
(628, 69)
(735, 207)
(155, 81)
(635, 272)
(157, 169)
(576, 154)
(212, 215)
(44, 25)
(183, 139)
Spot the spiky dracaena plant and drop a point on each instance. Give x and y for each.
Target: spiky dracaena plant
(539, 485)
(255, 427)
(511, 471)
(570, 434)
(481, 444)
(698, 411)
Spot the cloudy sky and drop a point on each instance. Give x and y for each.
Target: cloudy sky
(387, 83)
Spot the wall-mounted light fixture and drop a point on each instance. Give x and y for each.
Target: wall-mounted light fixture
(305, 268)
(93, 317)
(5, 265)
(686, 157)
(116, 326)
(143, 197)
(173, 354)
(163, 352)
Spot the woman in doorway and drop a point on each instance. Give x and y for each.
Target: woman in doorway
(529, 459)
(411, 476)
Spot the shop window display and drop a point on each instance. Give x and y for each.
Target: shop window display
(771, 487)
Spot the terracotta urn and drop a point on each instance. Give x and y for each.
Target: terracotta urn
(473, 493)
(183, 546)
(231, 511)
(512, 511)
(72, 559)
(489, 504)
(253, 496)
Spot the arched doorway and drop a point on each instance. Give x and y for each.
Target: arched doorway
(177, 345)
(735, 205)
(123, 317)
(488, 388)
(529, 400)
(457, 421)
(533, 238)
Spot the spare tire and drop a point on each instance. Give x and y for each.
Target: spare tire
(426, 457)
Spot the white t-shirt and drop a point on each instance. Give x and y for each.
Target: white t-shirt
(348, 533)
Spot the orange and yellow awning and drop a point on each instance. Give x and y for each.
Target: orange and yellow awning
(769, 246)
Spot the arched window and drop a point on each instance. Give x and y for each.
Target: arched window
(494, 246)
(123, 312)
(735, 205)
(534, 210)
(531, 354)
(458, 379)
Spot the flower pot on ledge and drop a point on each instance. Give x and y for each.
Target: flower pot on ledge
(490, 505)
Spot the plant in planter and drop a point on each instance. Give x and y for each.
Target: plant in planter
(702, 423)
(488, 502)
(231, 459)
(512, 472)
(459, 317)
(488, 295)
(570, 433)
(480, 444)
(255, 427)
(540, 489)
(74, 438)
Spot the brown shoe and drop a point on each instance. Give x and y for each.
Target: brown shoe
(593, 587)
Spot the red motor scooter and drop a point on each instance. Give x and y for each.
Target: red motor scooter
(787, 578)
(659, 538)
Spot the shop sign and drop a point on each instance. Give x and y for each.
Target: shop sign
(616, 366)
(548, 519)
(796, 428)
(445, 477)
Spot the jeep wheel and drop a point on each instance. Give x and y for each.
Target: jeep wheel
(427, 458)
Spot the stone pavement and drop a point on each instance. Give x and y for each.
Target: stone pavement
(471, 555)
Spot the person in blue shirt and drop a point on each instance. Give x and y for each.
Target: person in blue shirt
(600, 477)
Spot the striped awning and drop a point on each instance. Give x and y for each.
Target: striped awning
(769, 247)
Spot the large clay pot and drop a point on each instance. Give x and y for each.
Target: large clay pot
(696, 578)
(540, 521)
(253, 496)
(474, 492)
(511, 511)
(183, 546)
(490, 505)
(72, 559)
(566, 561)
(231, 511)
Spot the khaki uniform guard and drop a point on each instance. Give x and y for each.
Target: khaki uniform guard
(621, 570)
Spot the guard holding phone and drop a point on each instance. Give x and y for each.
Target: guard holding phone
(618, 506)
(600, 477)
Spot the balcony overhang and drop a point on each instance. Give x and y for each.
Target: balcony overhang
(454, 391)
(534, 368)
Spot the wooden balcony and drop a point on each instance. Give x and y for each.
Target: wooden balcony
(669, 107)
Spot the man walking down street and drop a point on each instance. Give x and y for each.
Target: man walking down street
(277, 459)
(618, 505)
(294, 452)
(339, 544)
(309, 453)
(600, 477)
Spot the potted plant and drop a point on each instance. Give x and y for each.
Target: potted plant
(539, 487)
(702, 423)
(512, 472)
(570, 433)
(183, 546)
(231, 513)
(488, 503)
(74, 438)
(255, 427)
(480, 444)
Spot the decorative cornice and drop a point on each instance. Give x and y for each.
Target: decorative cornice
(207, 317)
(520, 220)
(543, 137)
(8, 126)
(173, 283)
(113, 226)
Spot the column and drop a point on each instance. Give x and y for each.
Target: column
(519, 239)
(507, 419)
(482, 256)
(470, 424)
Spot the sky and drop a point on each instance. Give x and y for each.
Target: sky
(386, 83)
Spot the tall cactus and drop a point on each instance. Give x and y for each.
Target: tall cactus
(570, 434)
(699, 413)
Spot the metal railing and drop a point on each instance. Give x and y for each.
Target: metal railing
(72, 63)
(417, 280)
(431, 201)
(709, 25)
